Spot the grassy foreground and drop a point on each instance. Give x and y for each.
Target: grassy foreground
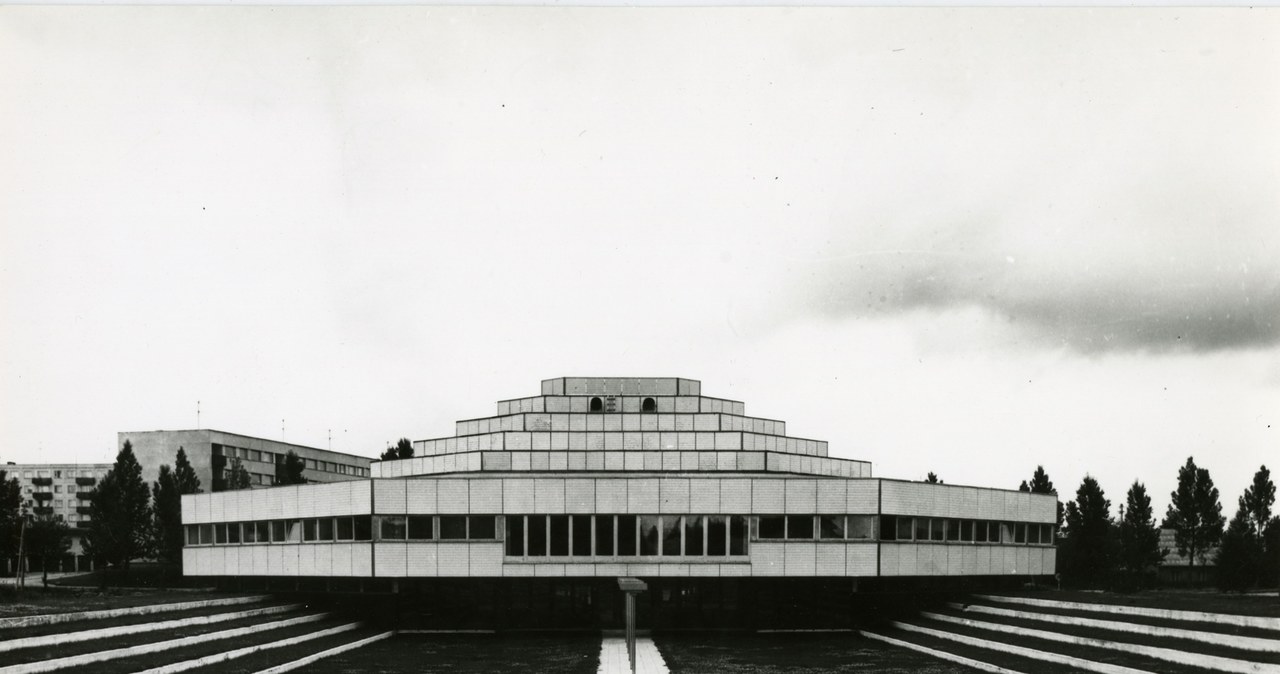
(549, 653)
(748, 653)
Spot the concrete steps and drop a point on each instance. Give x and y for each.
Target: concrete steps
(998, 634)
(169, 640)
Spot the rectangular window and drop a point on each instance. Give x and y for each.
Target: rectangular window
(626, 535)
(248, 532)
(364, 528)
(277, 531)
(1033, 534)
(922, 529)
(392, 528)
(888, 528)
(1006, 532)
(346, 529)
(1020, 533)
(206, 534)
(220, 534)
(861, 527)
(648, 535)
(581, 525)
(264, 531)
(193, 536)
(831, 526)
(717, 535)
(324, 526)
(293, 531)
(980, 531)
(482, 527)
(604, 535)
(559, 535)
(693, 535)
(537, 535)
(953, 530)
(906, 528)
(420, 528)
(671, 536)
(453, 527)
(1046, 534)
(515, 535)
(966, 531)
(738, 535)
(308, 530)
(800, 527)
(57, 489)
(771, 526)
(233, 533)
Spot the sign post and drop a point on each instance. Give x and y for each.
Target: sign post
(632, 587)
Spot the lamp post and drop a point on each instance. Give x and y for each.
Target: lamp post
(632, 587)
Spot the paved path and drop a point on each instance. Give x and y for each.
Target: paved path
(613, 657)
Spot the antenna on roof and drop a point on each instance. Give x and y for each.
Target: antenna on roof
(197, 415)
(282, 430)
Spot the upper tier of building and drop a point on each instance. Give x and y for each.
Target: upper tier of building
(622, 423)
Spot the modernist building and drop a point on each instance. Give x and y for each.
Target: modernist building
(62, 490)
(211, 453)
(528, 517)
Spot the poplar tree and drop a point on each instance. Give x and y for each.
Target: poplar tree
(167, 516)
(1041, 484)
(184, 475)
(120, 516)
(290, 472)
(10, 515)
(1195, 514)
(1088, 549)
(1139, 536)
(1258, 499)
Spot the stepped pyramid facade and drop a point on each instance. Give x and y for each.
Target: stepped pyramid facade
(530, 515)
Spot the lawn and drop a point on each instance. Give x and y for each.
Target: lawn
(527, 653)
(748, 653)
(35, 601)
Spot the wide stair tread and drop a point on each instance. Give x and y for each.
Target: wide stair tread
(1005, 661)
(63, 629)
(1204, 626)
(1120, 658)
(52, 652)
(275, 657)
(1212, 644)
(184, 654)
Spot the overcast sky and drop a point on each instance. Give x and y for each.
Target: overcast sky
(961, 241)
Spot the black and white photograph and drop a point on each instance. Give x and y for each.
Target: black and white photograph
(597, 339)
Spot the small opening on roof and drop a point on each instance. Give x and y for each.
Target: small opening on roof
(649, 405)
(597, 405)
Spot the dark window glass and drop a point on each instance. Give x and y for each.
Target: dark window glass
(392, 529)
(264, 531)
(888, 528)
(249, 531)
(980, 531)
(220, 534)
(325, 527)
(193, 535)
(515, 535)
(800, 526)
(308, 530)
(206, 534)
(966, 530)
(1020, 533)
(537, 536)
(626, 535)
(559, 535)
(953, 530)
(582, 535)
(717, 535)
(420, 528)
(906, 529)
(772, 526)
(922, 528)
(277, 531)
(346, 529)
(671, 536)
(364, 528)
(482, 527)
(453, 527)
(693, 535)
(1046, 534)
(648, 535)
(293, 530)
(604, 535)
(1033, 534)
(831, 526)
(233, 533)
(738, 535)
(860, 527)
(939, 529)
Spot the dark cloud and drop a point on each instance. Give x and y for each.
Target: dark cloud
(1088, 307)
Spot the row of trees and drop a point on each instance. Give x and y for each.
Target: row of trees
(1097, 550)
(127, 519)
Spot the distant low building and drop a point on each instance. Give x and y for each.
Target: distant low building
(63, 490)
(1177, 570)
(211, 454)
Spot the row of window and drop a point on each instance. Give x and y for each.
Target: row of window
(64, 473)
(278, 458)
(900, 528)
(626, 535)
(57, 489)
(622, 535)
